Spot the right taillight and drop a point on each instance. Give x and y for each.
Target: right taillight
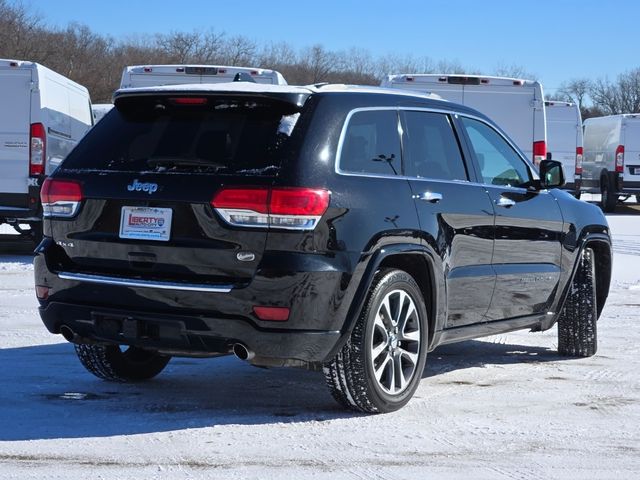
(37, 149)
(60, 198)
(620, 159)
(289, 208)
(578, 161)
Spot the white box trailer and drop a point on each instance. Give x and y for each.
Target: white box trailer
(611, 163)
(155, 75)
(516, 105)
(43, 116)
(564, 140)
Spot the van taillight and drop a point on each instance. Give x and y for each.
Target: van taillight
(620, 159)
(578, 161)
(539, 152)
(37, 150)
(60, 198)
(289, 208)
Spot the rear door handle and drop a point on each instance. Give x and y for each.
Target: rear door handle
(432, 197)
(505, 202)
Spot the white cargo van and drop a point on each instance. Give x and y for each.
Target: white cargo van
(154, 75)
(564, 140)
(42, 117)
(516, 105)
(611, 164)
(99, 110)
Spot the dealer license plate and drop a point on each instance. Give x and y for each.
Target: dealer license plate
(146, 223)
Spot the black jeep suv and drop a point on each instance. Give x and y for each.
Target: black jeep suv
(350, 228)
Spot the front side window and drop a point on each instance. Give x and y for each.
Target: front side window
(499, 163)
(372, 143)
(431, 149)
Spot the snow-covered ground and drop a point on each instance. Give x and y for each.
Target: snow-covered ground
(505, 407)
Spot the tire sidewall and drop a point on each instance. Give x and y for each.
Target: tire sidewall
(395, 280)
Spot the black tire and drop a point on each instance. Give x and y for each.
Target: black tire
(577, 195)
(578, 322)
(351, 374)
(111, 363)
(36, 232)
(608, 199)
(637, 198)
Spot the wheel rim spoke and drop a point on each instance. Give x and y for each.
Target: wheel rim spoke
(383, 366)
(399, 373)
(385, 313)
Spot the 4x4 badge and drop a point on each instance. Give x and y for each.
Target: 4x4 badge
(138, 186)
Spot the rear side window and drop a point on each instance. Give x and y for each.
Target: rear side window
(225, 136)
(372, 143)
(499, 163)
(432, 149)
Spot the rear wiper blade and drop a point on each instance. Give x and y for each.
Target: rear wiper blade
(154, 162)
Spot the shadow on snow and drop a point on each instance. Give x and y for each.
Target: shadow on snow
(47, 394)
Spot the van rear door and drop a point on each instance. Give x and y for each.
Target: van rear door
(563, 134)
(15, 114)
(631, 140)
(509, 106)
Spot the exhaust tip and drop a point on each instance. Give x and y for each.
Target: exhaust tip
(242, 352)
(68, 334)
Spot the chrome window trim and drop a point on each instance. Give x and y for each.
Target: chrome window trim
(127, 282)
(339, 171)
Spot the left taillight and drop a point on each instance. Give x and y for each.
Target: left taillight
(620, 159)
(539, 152)
(37, 149)
(292, 208)
(578, 161)
(60, 198)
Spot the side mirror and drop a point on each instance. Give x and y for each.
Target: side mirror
(551, 174)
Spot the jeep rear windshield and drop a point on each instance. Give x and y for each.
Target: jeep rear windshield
(188, 134)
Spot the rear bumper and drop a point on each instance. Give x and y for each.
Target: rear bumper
(631, 188)
(187, 335)
(196, 319)
(23, 207)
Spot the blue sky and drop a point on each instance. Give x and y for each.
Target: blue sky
(556, 40)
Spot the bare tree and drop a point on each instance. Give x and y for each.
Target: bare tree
(239, 51)
(576, 91)
(514, 71)
(20, 31)
(191, 47)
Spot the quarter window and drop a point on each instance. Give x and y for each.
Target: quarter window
(372, 143)
(432, 149)
(499, 163)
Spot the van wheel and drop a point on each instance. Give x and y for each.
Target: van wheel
(637, 198)
(109, 362)
(577, 325)
(381, 365)
(36, 232)
(577, 195)
(608, 199)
